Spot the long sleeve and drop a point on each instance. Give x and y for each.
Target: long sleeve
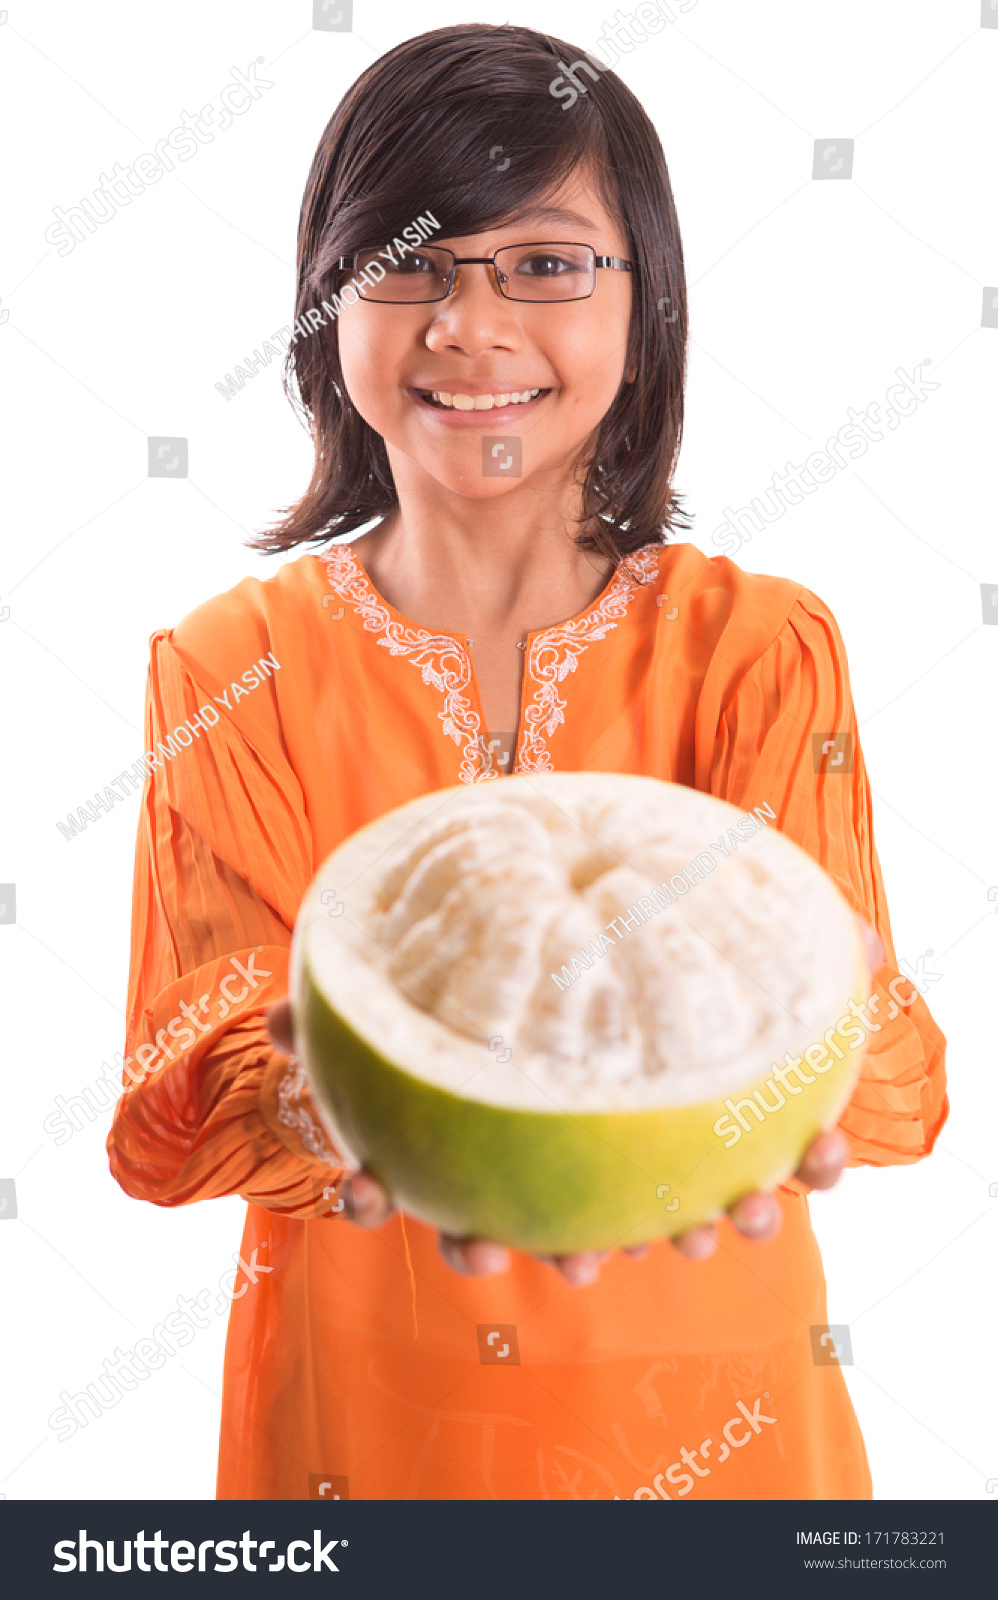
(222, 859)
(764, 753)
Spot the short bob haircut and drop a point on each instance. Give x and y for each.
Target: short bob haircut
(416, 133)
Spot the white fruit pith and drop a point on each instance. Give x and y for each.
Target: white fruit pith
(492, 1101)
(444, 922)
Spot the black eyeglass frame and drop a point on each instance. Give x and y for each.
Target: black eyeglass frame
(614, 263)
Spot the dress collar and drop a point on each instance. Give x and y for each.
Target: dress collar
(444, 659)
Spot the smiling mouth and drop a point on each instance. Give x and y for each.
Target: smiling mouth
(445, 401)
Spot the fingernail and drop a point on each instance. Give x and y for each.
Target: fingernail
(755, 1218)
(695, 1246)
(830, 1152)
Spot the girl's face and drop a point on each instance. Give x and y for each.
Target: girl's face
(478, 343)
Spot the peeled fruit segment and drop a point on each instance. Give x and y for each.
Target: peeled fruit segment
(514, 1015)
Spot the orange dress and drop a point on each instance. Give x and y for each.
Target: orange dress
(665, 1379)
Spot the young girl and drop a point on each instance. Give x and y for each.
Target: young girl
(498, 388)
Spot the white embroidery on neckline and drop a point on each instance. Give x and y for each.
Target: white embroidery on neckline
(555, 652)
(445, 663)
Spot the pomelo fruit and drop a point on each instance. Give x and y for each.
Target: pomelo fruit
(535, 1009)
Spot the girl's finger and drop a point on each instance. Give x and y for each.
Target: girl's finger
(824, 1159)
(281, 1027)
(757, 1216)
(696, 1244)
(581, 1268)
(366, 1202)
(475, 1257)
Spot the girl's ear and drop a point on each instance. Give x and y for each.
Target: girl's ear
(631, 373)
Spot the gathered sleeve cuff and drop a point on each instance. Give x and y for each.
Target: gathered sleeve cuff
(223, 857)
(768, 750)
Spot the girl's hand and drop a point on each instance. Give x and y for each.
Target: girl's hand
(369, 1205)
(756, 1216)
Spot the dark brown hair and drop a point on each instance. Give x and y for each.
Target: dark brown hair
(416, 134)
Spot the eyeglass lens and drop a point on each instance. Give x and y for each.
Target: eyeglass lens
(524, 272)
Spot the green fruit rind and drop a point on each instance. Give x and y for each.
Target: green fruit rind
(554, 1183)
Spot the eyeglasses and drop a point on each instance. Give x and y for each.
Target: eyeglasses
(547, 272)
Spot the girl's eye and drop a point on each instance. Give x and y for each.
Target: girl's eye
(413, 264)
(545, 266)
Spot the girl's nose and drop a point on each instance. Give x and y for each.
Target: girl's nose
(475, 315)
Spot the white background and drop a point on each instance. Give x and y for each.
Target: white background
(806, 297)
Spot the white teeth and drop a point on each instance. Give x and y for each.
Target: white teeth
(483, 402)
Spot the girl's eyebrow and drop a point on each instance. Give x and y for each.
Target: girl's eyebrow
(556, 214)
